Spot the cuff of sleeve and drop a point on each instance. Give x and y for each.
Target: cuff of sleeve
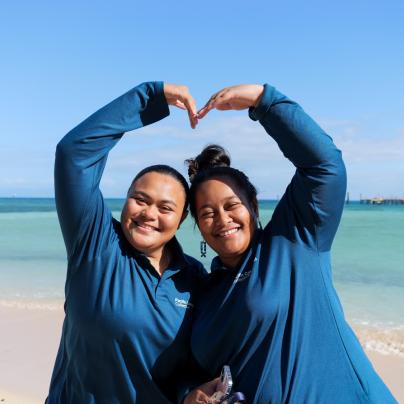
(155, 105)
(161, 98)
(258, 112)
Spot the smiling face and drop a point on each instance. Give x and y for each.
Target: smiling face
(225, 218)
(153, 211)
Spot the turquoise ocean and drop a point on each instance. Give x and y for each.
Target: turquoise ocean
(368, 263)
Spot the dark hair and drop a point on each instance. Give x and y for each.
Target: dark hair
(213, 162)
(166, 170)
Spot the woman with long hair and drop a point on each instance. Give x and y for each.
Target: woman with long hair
(269, 309)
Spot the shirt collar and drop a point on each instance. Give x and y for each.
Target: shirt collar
(178, 259)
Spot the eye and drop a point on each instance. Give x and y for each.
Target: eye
(233, 205)
(207, 214)
(139, 200)
(166, 208)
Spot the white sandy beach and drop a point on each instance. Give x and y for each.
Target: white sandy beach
(29, 339)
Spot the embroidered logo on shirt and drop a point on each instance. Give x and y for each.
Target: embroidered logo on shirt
(183, 303)
(242, 276)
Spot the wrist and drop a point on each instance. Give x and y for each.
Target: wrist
(260, 92)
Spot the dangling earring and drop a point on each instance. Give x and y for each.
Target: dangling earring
(203, 248)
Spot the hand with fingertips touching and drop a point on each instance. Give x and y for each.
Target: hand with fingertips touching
(237, 97)
(180, 97)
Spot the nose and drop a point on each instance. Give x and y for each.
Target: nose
(149, 212)
(223, 218)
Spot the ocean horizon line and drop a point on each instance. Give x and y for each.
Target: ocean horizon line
(274, 199)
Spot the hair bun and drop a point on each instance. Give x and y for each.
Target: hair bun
(211, 156)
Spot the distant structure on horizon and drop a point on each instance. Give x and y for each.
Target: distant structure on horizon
(378, 200)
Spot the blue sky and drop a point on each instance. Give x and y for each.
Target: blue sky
(342, 61)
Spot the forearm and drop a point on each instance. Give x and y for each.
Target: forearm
(317, 191)
(91, 140)
(298, 136)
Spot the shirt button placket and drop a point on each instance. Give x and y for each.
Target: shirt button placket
(157, 290)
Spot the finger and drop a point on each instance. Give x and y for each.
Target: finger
(224, 98)
(190, 105)
(206, 104)
(204, 110)
(209, 104)
(193, 120)
(202, 397)
(180, 105)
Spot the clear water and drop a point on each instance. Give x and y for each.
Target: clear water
(368, 262)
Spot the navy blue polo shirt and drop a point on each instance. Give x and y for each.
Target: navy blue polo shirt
(126, 332)
(276, 319)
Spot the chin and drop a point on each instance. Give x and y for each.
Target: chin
(138, 242)
(230, 252)
(234, 248)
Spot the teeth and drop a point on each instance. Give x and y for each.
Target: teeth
(228, 232)
(145, 226)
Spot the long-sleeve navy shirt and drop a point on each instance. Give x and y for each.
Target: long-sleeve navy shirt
(126, 333)
(277, 320)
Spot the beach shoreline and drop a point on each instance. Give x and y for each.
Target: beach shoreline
(30, 338)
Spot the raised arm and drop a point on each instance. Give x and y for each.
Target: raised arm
(312, 204)
(82, 154)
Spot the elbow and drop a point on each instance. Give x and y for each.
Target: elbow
(61, 156)
(335, 164)
(64, 156)
(60, 149)
(61, 152)
(65, 145)
(333, 171)
(340, 169)
(336, 168)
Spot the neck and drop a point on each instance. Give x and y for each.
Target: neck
(232, 262)
(160, 259)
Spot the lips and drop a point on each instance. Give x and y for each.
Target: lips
(228, 232)
(145, 227)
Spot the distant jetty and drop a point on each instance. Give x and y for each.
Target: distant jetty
(382, 201)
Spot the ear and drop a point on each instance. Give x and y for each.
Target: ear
(183, 217)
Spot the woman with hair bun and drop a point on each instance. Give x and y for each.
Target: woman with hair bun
(269, 309)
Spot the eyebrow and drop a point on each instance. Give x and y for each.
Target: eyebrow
(223, 200)
(146, 196)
